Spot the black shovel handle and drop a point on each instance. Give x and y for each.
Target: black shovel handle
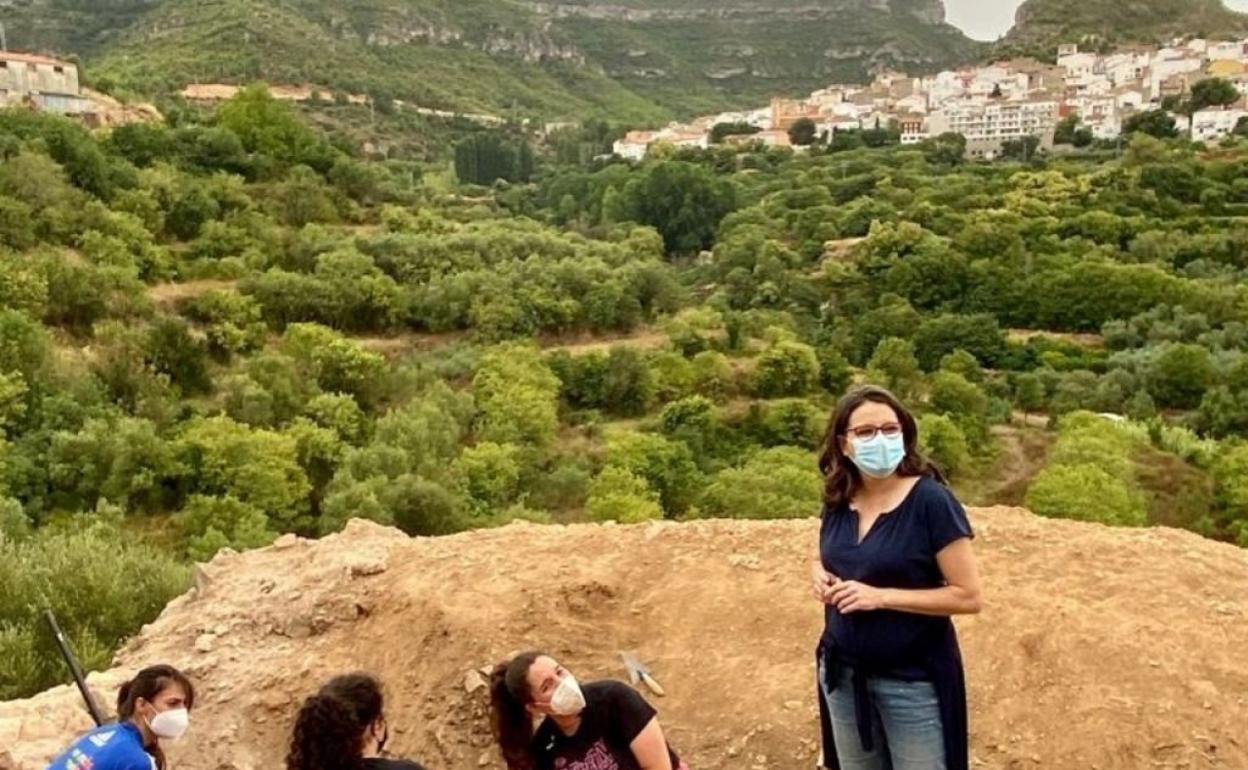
(67, 652)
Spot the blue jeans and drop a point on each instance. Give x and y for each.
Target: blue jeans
(905, 723)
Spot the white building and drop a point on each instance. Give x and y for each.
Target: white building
(634, 145)
(1169, 63)
(988, 125)
(944, 86)
(1106, 127)
(1093, 108)
(1130, 99)
(1126, 68)
(834, 124)
(1214, 124)
(1078, 64)
(1196, 45)
(914, 128)
(46, 83)
(1234, 50)
(827, 98)
(684, 138)
(911, 104)
(760, 119)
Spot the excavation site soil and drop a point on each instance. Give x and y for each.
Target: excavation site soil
(1097, 648)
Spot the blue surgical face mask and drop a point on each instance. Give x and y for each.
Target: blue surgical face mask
(879, 457)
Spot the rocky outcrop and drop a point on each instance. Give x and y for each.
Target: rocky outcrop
(928, 11)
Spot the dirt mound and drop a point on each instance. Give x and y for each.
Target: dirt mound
(107, 111)
(1099, 648)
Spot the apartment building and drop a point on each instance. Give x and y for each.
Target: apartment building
(989, 124)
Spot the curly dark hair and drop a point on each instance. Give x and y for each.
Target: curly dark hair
(329, 730)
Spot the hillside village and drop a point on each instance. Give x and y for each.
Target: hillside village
(990, 105)
(997, 103)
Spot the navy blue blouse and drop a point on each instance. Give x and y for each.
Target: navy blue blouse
(899, 551)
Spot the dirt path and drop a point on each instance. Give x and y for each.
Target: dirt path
(1095, 341)
(1023, 449)
(169, 296)
(839, 251)
(404, 343)
(395, 345)
(645, 338)
(216, 92)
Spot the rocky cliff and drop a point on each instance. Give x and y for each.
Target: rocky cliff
(1048, 23)
(631, 59)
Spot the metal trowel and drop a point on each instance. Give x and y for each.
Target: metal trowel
(640, 672)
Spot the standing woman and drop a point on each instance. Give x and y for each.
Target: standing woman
(604, 725)
(894, 563)
(343, 727)
(152, 707)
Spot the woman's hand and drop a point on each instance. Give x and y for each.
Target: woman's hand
(821, 581)
(851, 596)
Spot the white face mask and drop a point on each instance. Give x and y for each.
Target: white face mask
(170, 724)
(568, 698)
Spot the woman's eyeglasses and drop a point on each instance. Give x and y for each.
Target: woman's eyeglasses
(868, 432)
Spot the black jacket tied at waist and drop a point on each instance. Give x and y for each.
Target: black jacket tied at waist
(942, 663)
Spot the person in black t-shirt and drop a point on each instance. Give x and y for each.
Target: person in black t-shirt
(343, 727)
(603, 725)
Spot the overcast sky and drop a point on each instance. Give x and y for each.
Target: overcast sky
(989, 19)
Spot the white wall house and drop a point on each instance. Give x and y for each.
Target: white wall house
(1078, 64)
(1214, 124)
(47, 83)
(634, 145)
(1233, 50)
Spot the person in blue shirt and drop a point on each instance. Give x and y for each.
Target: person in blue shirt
(894, 563)
(343, 727)
(153, 706)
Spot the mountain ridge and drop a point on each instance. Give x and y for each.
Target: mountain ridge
(633, 60)
(1052, 22)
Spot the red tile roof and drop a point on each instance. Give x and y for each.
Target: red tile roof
(32, 58)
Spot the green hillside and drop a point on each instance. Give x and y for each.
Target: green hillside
(232, 327)
(704, 62)
(637, 61)
(1046, 23)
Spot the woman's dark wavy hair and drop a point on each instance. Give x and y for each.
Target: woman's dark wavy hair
(148, 684)
(329, 730)
(513, 726)
(842, 479)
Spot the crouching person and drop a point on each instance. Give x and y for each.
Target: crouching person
(604, 725)
(152, 707)
(343, 727)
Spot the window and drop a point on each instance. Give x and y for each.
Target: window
(58, 69)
